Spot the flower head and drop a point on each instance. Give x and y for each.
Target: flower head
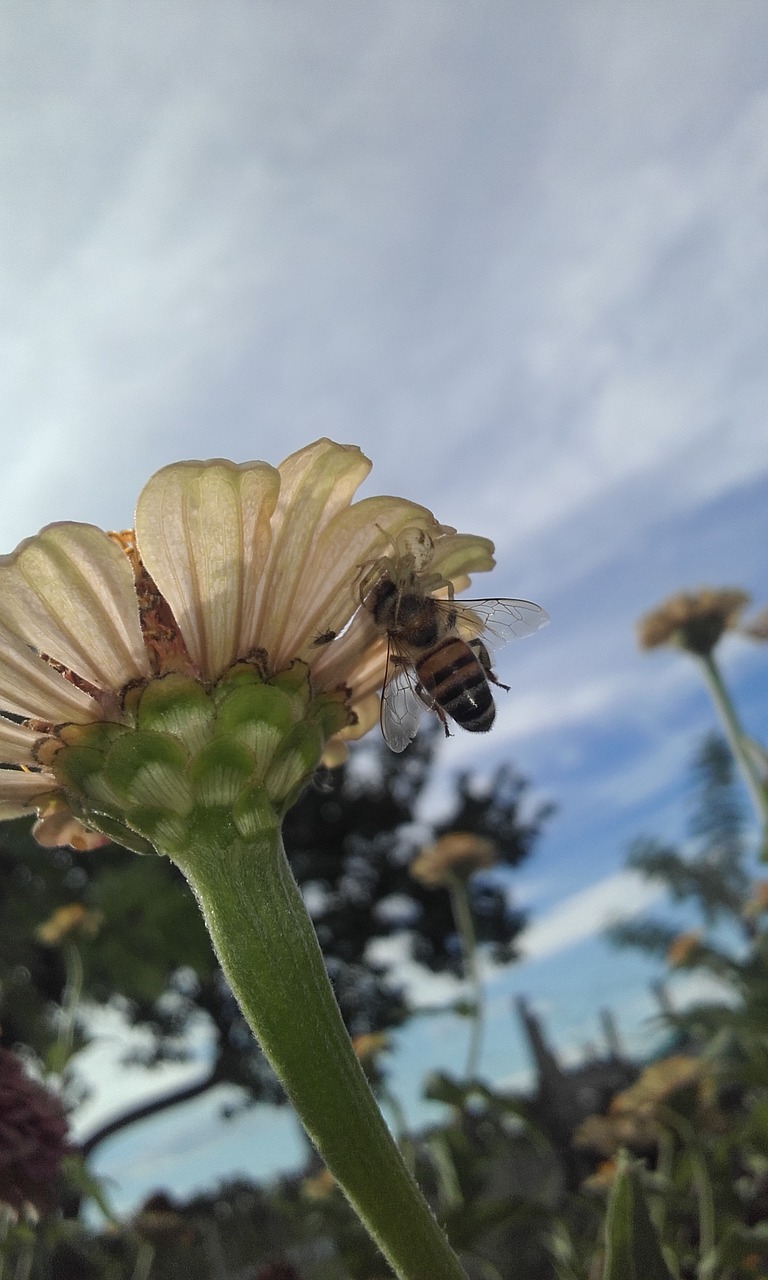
(209, 656)
(68, 921)
(756, 627)
(460, 853)
(33, 1138)
(636, 1114)
(684, 949)
(757, 903)
(369, 1045)
(659, 1082)
(693, 620)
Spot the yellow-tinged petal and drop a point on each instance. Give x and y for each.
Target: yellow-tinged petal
(328, 589)
(20, 791)
(31, 687)
(357, 660)
(457, 554)
(57, 827)
(203, 533)
(315, 484)
(69, 592)
(17, 742)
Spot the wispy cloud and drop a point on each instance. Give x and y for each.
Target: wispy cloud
(617, 897)
(522, 264)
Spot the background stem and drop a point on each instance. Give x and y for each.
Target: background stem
(735, 735)
(462, 914)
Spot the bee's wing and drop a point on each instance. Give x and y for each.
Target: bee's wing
(498, 621)
(401, 706)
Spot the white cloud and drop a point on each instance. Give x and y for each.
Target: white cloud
(522, 263)
(617, 897)
(115, 1089)
(700, 988)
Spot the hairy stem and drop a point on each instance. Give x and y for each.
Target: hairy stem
(735, 735)
(462, 914)
(269, 952)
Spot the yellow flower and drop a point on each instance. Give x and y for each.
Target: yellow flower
(757, 626)
(758, 901)
(659, 1082)
(684, 948)
(319, 1186)
(693, 620)
(369, 1045)
(458, 854)
(233, 571)
(636, 1114)
(603, 1178)
(69, 920)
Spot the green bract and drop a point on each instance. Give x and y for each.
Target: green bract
(189, 759)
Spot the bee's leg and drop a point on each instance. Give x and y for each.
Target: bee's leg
(430, 703)
(484, 658)
(442, 717)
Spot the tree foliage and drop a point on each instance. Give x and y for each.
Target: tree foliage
(350, 843)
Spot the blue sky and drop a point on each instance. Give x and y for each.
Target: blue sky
(518, 253)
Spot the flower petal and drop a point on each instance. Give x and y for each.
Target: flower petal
(59, 828)
(69, 593)
(358, 658)
(203, 533)
(328, 589)
(17, 742)
(31, 687)
(20, 791)
(457, 554)
(315, 484)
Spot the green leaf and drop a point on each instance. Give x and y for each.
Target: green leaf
(632, 1249)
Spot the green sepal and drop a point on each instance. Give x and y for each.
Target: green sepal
(294, 681)
(254, 814)
(98, 734)
(247, 671)
(149, 769)
(178, 705)
(118, 832)
(243, 675)
(331, 711)
(219, 772)
(74, 767)
(294, 763)
(167, 832)
(258, 716)
(632, 1249)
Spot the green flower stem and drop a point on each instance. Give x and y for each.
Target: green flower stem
(735, 735)
(269, 952)
(71, 999)
(702, 1184)
(462, 914)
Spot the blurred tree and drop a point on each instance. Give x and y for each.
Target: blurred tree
(350, 842)
(711, 875)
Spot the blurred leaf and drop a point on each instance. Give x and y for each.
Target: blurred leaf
(632, 1249)
(88, 1186)
(469, 1223)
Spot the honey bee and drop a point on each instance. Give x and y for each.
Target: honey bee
(439, 649)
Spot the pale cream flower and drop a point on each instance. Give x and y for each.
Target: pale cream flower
(684, 948)
(65, 922)
(229, 563)
(460, 853)
(693, 620)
